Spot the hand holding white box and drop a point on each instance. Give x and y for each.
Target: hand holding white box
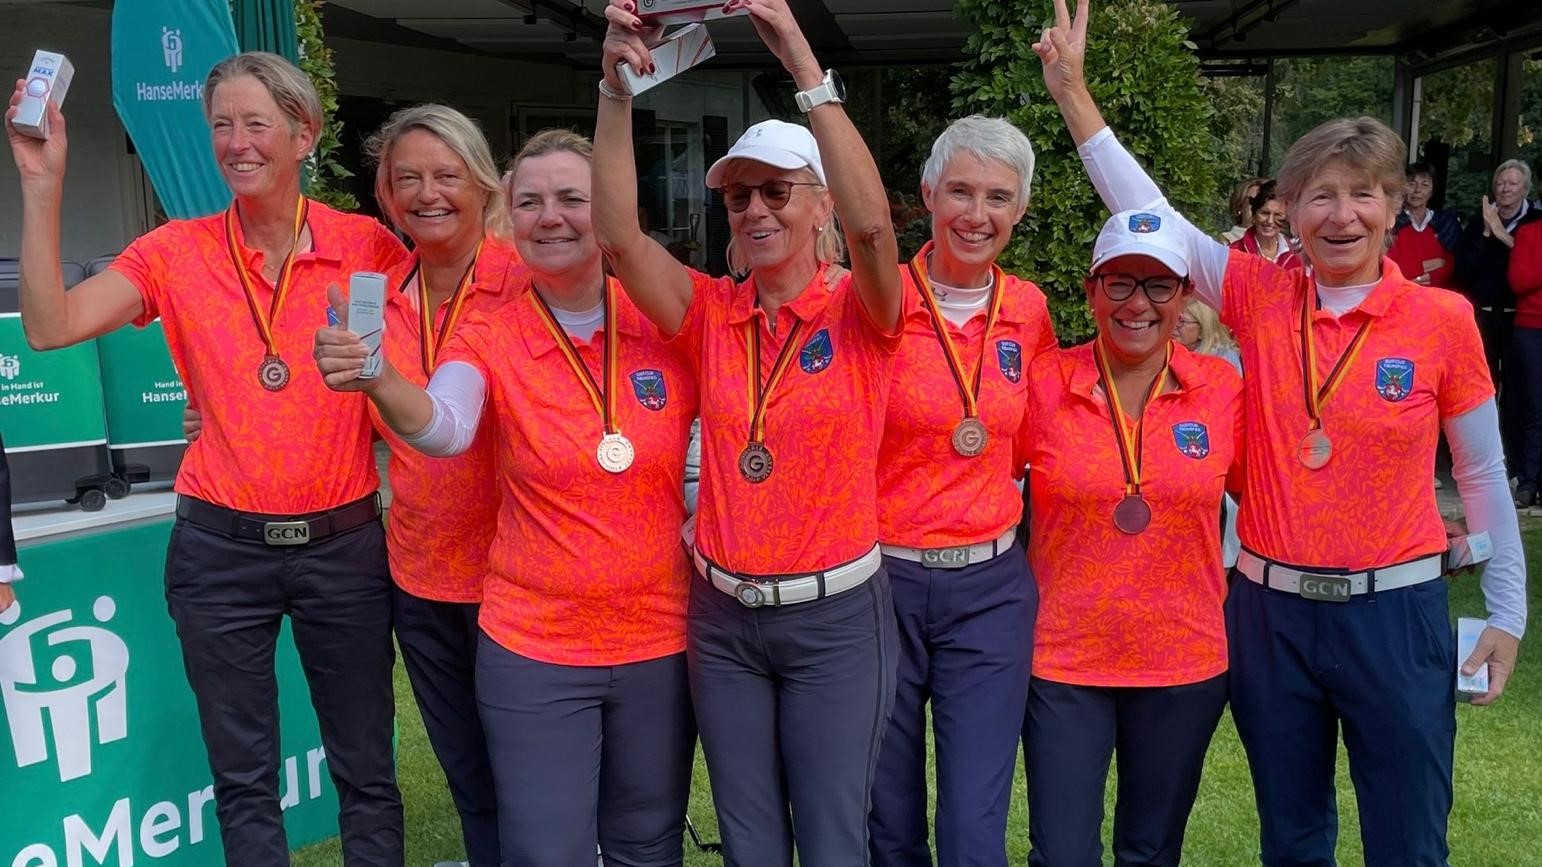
(366, 316)
(47, 81)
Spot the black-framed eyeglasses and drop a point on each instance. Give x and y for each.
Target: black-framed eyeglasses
(776, 194)
(1119, 287)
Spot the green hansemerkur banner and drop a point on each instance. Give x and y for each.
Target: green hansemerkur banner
(162, 50)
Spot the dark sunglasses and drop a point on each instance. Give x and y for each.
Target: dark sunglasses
(1119, 287)
(775, 194)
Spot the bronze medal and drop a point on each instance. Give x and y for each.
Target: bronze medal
(273, 373)
(1133, 515)
(615, 453)
(969, 437)
(755, 463)
(1316, 449)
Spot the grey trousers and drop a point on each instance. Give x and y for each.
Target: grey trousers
(586, 755)
(793, 703)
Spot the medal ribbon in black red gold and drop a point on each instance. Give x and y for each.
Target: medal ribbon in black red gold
(969, 436)
(604, 400)
(1317, 395)
(264, 319)
(1130, 447)
(433, 340)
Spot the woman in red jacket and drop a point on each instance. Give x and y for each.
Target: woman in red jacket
(1523, 364)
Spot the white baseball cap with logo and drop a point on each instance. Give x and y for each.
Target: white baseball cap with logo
(775, 143)
(1151, 232)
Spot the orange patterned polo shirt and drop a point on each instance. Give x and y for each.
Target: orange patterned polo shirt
(443, 510)
(823, 423)
(1118, 609)
(587, 566)
(304, 448)
(929, 496)
(1422, 361)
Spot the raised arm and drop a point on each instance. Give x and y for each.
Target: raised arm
(657, 283)
(860, 201)
(1121, 182)
(51, 317)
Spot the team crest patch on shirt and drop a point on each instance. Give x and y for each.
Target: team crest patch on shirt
(1394, 378)
(817, 352)
(648, 385)
(1009, 354)
(1192, 439)
(1144, 224)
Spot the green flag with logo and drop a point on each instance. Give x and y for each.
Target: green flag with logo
(162, 50)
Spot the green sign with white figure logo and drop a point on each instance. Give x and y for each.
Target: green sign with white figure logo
(47, 399)
(162, 50)
(101, 761)
(143, 391)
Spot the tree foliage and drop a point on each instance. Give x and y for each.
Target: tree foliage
(1146, 80)
(323, 171)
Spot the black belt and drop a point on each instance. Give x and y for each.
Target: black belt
(279, 530)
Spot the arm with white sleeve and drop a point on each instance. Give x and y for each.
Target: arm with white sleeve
(1479, 469)
(1120, 181)
(458, 392)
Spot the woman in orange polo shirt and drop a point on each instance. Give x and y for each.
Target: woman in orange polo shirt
(437, 182)
(948, 508)
(792, 635)
(277, 510)
(1337, 618)
(1131, 438)
(580, 666)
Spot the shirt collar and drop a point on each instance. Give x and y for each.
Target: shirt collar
(1377, 302)
(1184, 370)
(538, 338)
(1014, 304)
(495, 268)
(807, 307)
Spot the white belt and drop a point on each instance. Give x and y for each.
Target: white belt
(955, 558)
(755, 591)
(1329, 586)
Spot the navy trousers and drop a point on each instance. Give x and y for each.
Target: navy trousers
(1160, 735)
(587, 755)
(1383, 667)
(1523, 388)
(228, 599)
(793, 703)
(439, 649)
(966, 649)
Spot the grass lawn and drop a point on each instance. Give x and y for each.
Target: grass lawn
(1497, 819)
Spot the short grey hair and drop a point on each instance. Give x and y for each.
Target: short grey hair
(461, 135)
(989, 138)
(1520, 166)
(290, 88)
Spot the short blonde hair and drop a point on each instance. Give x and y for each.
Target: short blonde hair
(290, 88)
(1365, 144)
(461, 135)
(829, 244)
(1214, 337)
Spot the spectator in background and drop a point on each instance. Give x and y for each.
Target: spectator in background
(1524, 361)
(1482, 266)
(1424, 239)
(1269, 237)
(1200, 330)
(1242, 209)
